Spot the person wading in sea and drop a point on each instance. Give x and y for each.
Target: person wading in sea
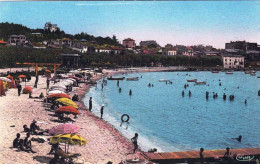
(101, 112)
(134, 141)
(90, 103)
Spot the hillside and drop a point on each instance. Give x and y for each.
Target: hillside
(7, 29)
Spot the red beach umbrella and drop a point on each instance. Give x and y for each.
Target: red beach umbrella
(68, 110)
(47, 71)
(64, 129)
(59, 95)
(27, 90)
(22, 76)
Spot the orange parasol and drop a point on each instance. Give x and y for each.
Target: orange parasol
(47, 71)
(22, 76)
(59, 95)
(27, 90)
(67, 110)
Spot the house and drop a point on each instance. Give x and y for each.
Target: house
(148, 43)
(129, 43)
(188, 52)
(241, 45)
(70, 60)
(82, 47)
(17, 40)
(103, 50)
(253, 55)
(66, 42)
(233, 61)
(51, 27)
(211, 53)
(117, 50)
(38, 46)
(37, 34)
(169, 52)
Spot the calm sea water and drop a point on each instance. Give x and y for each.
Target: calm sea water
(169, 122)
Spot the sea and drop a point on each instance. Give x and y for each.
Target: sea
(168, 121)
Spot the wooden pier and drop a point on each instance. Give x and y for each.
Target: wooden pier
(246, 155)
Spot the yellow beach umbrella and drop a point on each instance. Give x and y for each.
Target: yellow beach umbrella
(72, 139)
(67, 102)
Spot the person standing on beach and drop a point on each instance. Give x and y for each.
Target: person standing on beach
(101, 112)
(19, 87)
(90, 103)
(48, 83)
(134, 141)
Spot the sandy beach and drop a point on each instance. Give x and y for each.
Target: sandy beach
(104, 142)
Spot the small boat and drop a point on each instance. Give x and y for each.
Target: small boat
(215, 71)
(132, 78)
(115, 78)
(252, 74)
(163, 80)
(192, 80)
(229, 73)
(258, 76)
(200, 83)
(247, 72)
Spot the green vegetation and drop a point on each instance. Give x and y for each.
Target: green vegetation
(7, 29)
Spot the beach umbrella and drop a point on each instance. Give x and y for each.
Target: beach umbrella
(22, 76)
(47, 71)
(5, 79)
(59, 95)
(72, 139)
(67, 102)
(27, 90)
(55, 91)
(64, 129)
(67, 110)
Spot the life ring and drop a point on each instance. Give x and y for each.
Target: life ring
(127, 118)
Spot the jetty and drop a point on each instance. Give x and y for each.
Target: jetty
(245, 155)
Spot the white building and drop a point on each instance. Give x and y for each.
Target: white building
(169, 52)
(233, 61)
(51, 27)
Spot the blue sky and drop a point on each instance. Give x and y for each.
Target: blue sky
(175, 22)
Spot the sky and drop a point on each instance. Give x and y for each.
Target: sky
(176, 22)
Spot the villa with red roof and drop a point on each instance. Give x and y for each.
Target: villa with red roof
(129, 43)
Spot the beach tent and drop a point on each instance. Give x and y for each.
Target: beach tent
(55, 91)
(12, 83)
(2, 91)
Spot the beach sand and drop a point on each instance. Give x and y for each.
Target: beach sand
(104, 142)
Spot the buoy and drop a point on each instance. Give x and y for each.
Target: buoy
(127, 118)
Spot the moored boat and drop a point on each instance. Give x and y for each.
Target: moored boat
(163, 80)
(132, 78)
(192, 80)
(115, 78)
(252, 74)
(229, 73)
(200, 83)
(247, 72)
(215, 71)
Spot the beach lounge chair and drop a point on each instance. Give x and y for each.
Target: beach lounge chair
(66, 157)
